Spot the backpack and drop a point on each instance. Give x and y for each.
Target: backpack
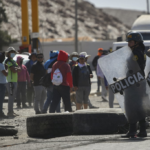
(57, 77)
(46, 80)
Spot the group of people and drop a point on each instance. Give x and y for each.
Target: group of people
(58, 77)
(64, 73)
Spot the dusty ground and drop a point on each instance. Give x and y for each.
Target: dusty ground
(20, 122)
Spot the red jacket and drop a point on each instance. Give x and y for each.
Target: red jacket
(23, 75)
(64, 68)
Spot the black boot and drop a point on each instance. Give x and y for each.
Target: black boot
(142, 132)
(132, 131)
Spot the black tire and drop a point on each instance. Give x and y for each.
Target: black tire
(100, 121)
(7, 131)
(50, 125)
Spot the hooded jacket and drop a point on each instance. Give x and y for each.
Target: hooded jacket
(64, 68)
(23, 75)
(53, 58)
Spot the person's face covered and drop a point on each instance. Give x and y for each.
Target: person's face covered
(75, 58)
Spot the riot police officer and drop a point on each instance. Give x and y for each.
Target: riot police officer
(135, 42)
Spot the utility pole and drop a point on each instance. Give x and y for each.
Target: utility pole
(76, 25)
(147, 6)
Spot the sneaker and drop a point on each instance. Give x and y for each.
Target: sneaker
(18, 107)
(15, 114)
(104, 99)
(24, 106)
(10, 114)
(93, 107)
(2, 115)
(130, 135)
(37, 112)
(142, 134)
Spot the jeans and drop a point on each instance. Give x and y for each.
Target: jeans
(11, 95)
(49, 100)
(58, 92)
(21, 93)
(40, 96)
(2, 95)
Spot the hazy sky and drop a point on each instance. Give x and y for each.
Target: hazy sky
(125, 4)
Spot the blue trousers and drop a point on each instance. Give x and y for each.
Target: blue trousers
(2, 95)
(49, 101)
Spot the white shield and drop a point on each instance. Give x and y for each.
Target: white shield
(120, 65)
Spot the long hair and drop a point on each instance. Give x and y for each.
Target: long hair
(2, 56)
(142, 46)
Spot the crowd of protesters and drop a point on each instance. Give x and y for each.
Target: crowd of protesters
(45, 85)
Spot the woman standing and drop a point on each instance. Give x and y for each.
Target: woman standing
(81, 81)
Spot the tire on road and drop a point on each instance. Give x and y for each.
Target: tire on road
(50, 125)
(98, 121)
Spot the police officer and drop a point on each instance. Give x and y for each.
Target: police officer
(135, 42)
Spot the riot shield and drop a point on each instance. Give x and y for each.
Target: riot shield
(127, 83)
(147, 70)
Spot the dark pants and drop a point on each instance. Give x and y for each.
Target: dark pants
(49, 100)
(2, 95)
(21, 93)
(30, 94)
(58, 92)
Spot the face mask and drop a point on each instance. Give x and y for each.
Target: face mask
(12, 55)
(74, 58)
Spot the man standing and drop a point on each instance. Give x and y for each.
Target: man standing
(3, 81)
(23, 79)
(30, 90)
(94, 63)
(102, 79)
(12, 79)
(37, 72)
(62, 80)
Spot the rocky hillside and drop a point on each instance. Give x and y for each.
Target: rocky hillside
(56, 19)
(124, 15)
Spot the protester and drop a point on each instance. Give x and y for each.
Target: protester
(3, 81)
(12, 79)
(30, 90)
(81, 81)
(62, 80)
(23, 80)
(74, 58)
(37, 72)
(94, 63)
(89, 102)
(102, 79)
(48, 66)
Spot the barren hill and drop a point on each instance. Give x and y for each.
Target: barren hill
(56, 19)
(124, 15)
